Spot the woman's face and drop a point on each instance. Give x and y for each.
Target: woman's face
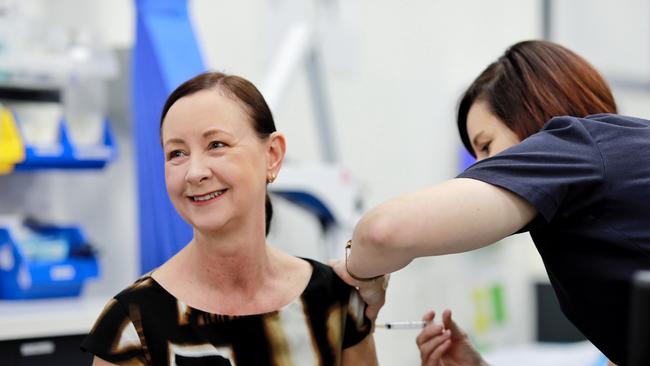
(216, 166)
(487, 133)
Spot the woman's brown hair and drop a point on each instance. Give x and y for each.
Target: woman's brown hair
(533, 82)
(243, 92)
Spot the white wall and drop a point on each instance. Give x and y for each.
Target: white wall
(614, 36)
(394, 72)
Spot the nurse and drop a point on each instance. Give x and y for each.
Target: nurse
(553, 160)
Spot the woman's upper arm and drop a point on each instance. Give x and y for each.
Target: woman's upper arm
(362, 353)
(99, 362)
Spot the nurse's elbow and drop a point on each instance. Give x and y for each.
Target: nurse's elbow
(378, 233)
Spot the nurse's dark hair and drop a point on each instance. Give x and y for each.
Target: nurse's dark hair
(533, 82)
(243, 92)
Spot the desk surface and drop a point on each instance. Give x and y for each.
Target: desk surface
(48, 317)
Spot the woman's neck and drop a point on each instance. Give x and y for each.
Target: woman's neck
(233, 274)
(240, 262)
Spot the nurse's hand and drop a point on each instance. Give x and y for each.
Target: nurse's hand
(372, 292)
(446, 344)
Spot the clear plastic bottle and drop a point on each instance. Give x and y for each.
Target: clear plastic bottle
(84, 95)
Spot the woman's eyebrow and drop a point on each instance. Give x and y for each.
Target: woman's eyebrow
(173, 141)
(209, 133)
(214, 131)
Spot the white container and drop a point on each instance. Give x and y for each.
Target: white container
(39, 121)
(85, 106)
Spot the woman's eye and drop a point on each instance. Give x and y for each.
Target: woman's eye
(486, 148)
(175, 154)
(216, 144)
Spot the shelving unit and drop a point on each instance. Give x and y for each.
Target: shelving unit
(49, 330)
(27, 319)
(70, 180)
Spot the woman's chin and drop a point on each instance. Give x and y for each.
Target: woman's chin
(208, 226)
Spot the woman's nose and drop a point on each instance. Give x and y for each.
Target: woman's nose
(198, 171)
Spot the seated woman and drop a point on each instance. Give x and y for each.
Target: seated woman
(229, 298)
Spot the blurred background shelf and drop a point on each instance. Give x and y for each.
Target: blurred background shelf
(48, 331)
(65, 155)
(26, 319)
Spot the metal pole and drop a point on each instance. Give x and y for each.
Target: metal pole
(321, 106)
(547, 26)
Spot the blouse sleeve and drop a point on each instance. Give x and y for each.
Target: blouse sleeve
(114, 337)
(559, 170)
(357, 325)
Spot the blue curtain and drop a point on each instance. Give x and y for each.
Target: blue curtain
(165, 54)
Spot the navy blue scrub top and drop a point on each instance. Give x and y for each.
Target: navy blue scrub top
(589, 179)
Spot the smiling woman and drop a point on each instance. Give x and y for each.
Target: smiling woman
(228, 297)
(228, 99)
(216, 167)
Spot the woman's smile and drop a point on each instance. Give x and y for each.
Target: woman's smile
(204, 199)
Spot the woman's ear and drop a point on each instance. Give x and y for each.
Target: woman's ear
(275, 150)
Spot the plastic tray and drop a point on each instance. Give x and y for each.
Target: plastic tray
(23, 279)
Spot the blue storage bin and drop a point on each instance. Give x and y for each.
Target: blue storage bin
(65, 155)
(21, 278)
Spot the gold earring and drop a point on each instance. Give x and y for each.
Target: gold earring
(271, 178)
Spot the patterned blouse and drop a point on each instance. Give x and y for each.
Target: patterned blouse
(146, 325)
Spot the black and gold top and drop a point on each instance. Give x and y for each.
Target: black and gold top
(146, 325)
